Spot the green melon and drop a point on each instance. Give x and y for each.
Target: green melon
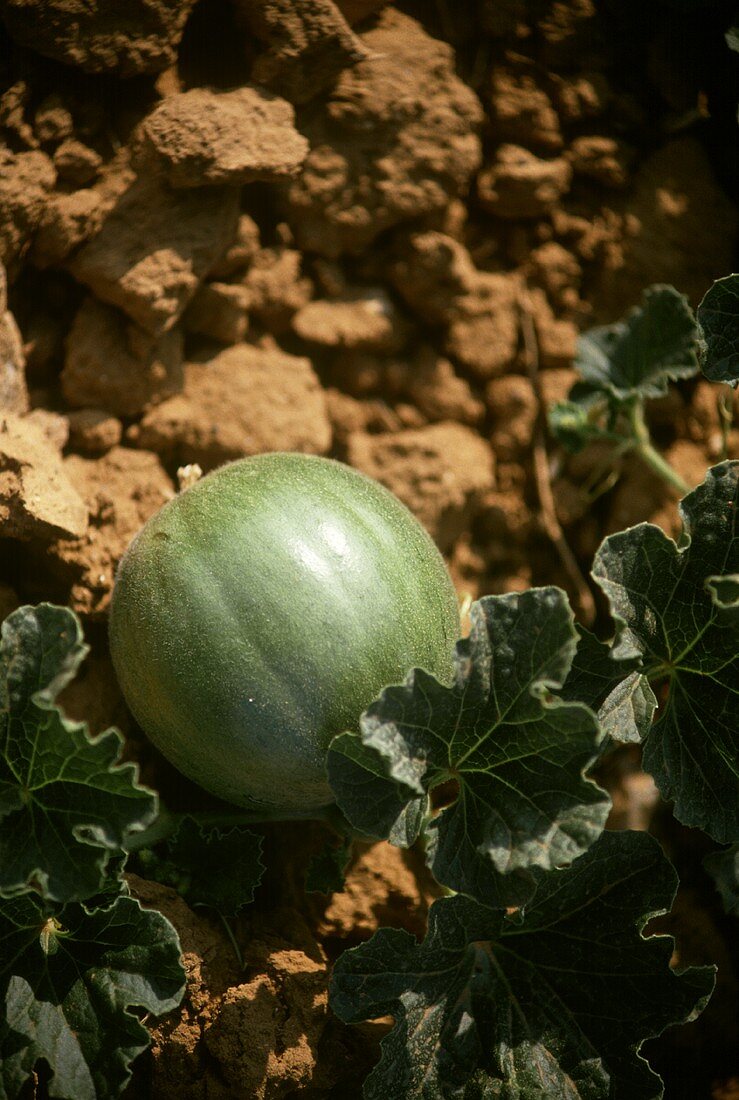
(259, 613)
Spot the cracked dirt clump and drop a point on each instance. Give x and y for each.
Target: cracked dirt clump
(272, 397)
(201, 138)
(253, 1032)
(397, 139)
(123, 36)
(37, 499)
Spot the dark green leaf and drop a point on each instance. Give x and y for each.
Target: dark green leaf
(326, 871)
(616, 691)
(555, 1007)
(69, 979)
(16, 1058)
(66, 803)
(44, 1033)
(675, 609)
(375, 805)
(718, 319)
(723, 868)
(221, 869)
(732, 38)
(516, 753)
(654, 343)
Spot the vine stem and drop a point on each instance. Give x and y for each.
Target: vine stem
(548, 509)
(644, 447)
(234, 943)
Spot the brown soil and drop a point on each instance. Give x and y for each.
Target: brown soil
(236, 226)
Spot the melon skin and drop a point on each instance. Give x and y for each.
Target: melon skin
(258, 613)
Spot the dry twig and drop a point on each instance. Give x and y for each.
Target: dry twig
(584, 601)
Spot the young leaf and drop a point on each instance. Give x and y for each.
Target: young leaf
(555, 1006)
(326, 871)
(516, 753)
(654, 343)
(576, 422)
(676, 609)
(66, 804)
(718, 320)
(723, 867)
(615, 689)
(620, 366)
(213, 867)
(69, 979)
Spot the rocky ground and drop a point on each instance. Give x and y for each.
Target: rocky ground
(234, 226)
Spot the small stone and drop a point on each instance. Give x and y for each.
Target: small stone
(604, 159)
(521, 185)
(438, 391)
(219, 311)
(364, 319)
(408, 417)
(37, 500)
(440, 282)
(93, 431)
(584, 96)
(76, 162)
(558, 270)
(277, 289)
(570, 33)
(433, 273)
(53, 121)
(204, 138)
(484, 332)
(523, 112)
(114, 365)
